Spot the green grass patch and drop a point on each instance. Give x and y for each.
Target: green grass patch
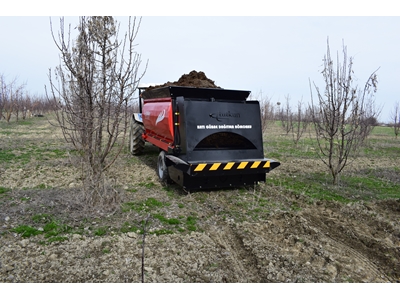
(6, 132)
(381, 149)
(53, 229)
(152, 202)
(101, 231)
(106, 251)
(27, 154)
(43, 186)
(191, 223)
(281, 147)
(148, 185)
(26, 231)
(7, 156)
(4, 190)
(147, 205)
(46, 225)
(57, 239)
(127, 227)
(318, 186)
(57, 153)
(25, 122)
(169, 221)
(162, 231)
(42, 218)
(383, 131)
(170, 192)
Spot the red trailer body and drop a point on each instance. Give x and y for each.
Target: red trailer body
(158, 122)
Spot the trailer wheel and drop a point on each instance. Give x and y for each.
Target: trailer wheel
(136, 142)
(162, 170)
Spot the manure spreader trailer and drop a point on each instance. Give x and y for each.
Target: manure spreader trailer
(208, 137)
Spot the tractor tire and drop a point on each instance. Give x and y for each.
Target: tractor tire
(162, 169)
(136, 141)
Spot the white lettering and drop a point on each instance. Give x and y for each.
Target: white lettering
(226, 126)
(238, 126)
(209, 126)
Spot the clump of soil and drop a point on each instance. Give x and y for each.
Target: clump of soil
(193, 79)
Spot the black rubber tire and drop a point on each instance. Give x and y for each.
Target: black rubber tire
(162, 170)
(136, 142)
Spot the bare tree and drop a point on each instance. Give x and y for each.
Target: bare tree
(300, 122)
(395, 115)
(39, 105)
(286, 116)
(11, 94)
(17, 101)
(267, 111)
(339, 112)
(369, 117)
(97, 78)
(3, 95)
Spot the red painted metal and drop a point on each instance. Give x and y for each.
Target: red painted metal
(158, 122)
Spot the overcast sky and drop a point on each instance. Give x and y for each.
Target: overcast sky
(275, 56)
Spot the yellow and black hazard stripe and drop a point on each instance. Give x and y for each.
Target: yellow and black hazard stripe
(217, 167)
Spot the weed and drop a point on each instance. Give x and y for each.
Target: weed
(100, 231)
(173, 221)
(152, 202)
(4, 190)
(43, 186)
(148, 185)
(348, 279)
(7, 156)
(162, 231)
(170, 191)
(126, 227)
(127, 206)
(165, 220)
(42, 218)
(147, 205)
(295, 206)
(57, 239)
(51, 227)
(26, 231)
(190, 223)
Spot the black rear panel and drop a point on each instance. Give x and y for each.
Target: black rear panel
(219, 130)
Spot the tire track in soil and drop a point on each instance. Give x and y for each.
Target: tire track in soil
(241, 259)
(354, 253)
(356, 243)
(293, 247)
(358, 239)
(349, 251)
